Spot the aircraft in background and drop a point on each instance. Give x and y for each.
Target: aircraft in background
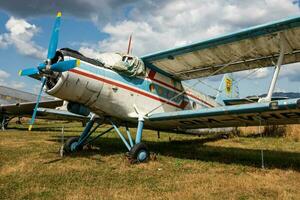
(15, 103)
(121, 89)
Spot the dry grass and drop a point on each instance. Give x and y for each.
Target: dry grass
(188, 167)
(288, 131)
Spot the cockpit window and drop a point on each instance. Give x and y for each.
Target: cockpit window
(130, 65)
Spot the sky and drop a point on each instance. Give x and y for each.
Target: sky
(94, 26)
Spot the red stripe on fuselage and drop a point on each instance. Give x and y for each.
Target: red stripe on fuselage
(122, 86)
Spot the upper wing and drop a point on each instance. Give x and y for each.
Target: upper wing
(280, 112)
(247, 49)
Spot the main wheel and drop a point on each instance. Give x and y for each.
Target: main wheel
(139, 153)
(70, 145)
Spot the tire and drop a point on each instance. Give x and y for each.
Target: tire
(68, 145)
(139, 153)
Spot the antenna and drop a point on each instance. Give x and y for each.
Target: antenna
(129, 44)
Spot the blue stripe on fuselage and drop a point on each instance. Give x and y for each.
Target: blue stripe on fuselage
(139, 83)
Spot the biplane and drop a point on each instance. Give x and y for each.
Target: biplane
(124, 90)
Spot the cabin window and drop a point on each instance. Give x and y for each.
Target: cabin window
(152, 87)
(194, 105)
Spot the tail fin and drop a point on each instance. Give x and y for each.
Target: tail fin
(228, 89)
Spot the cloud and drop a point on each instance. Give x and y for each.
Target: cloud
(3, 74)
(174, 23)
(6, 82)
(89, 52)
(291, 72)
(20, 34)
(100, 11)
(156, 25)
(259, 73)
(17, 85)
(159, 25)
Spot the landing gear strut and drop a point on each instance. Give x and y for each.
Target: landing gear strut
(74, 144)
(138, 151)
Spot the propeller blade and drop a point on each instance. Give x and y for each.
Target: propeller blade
(54, 37)
(27, 72)
(37, 104)
(65, 65)
(41, 66)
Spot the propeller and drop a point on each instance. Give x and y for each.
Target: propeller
(43, 80)
(46, 68)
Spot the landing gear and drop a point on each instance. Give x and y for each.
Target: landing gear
(74, 144)
(139, 153)
(71, 145)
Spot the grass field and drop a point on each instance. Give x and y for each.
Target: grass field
(185, 167)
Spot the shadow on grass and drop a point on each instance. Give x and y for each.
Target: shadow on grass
(197, 149)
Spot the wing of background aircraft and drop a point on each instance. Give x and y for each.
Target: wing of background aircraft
(247, 49)
(26, 108)
(46, 111)
(277, 112)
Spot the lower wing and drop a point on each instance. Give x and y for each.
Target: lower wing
(254, 114)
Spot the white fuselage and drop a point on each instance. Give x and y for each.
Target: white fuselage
(108, 93)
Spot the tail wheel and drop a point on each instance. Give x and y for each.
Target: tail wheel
(70, 145)
(139, 153)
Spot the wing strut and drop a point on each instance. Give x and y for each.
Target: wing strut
(282, 44)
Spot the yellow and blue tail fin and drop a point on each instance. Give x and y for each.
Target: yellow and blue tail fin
(228, 89)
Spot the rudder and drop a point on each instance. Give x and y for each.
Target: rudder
(228, 89)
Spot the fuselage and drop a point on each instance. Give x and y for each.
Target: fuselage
(109, 93)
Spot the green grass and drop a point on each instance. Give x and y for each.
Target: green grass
(186, 167)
